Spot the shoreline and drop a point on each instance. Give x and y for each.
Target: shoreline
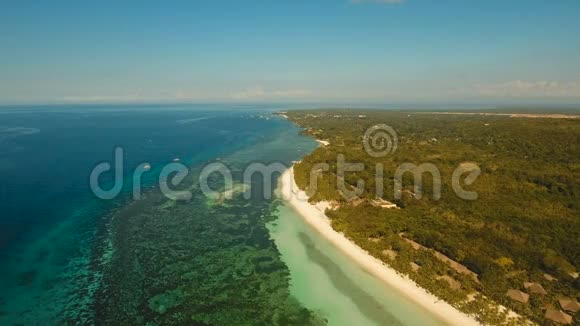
(317, 219)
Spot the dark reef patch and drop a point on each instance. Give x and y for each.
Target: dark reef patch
(42, 255)
(197, 263)
(27, 278)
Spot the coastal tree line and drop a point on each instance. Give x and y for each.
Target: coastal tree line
(524, 224)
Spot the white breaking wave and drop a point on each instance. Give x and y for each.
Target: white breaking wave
(185, 121)
(13, 132)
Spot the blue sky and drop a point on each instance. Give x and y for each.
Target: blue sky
(290, 51)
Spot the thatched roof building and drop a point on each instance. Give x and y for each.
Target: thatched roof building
(441, 257)
(413, 244)
(379, 202)
(414, 266)
(334, 205)
(550, 277)
(452, 282)
(355, 201)
(558, 316)
(455, 265)
(518, 296)
(569, 304)
(535, 288)
(390, 253)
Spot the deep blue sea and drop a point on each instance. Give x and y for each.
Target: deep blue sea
(47, 153)
(49, 218)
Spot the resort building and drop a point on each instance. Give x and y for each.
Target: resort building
(558, 316)
(452, 282)
(461, 269)
(379, 202)
(569, 304)
(518, 296)
(414, 266)
(355, 201)
(414, 244)
(390, 253)
(535, 288)
(550, 277)
(455, 265)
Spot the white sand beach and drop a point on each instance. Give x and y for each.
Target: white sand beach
(323, 142)
(316, 218)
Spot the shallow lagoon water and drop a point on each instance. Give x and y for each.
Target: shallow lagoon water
(328, 282)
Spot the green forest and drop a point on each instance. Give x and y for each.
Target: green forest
(524, 225)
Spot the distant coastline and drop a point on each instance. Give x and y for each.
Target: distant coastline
(515, 115)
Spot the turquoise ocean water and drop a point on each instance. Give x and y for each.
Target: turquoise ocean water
(67, 257)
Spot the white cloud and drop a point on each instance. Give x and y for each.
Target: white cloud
(259, 93)
(250, 93)
(103, 98)
(142, 97)
(389, 2)
(427, 90)
(255, 93)
(523, 88)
